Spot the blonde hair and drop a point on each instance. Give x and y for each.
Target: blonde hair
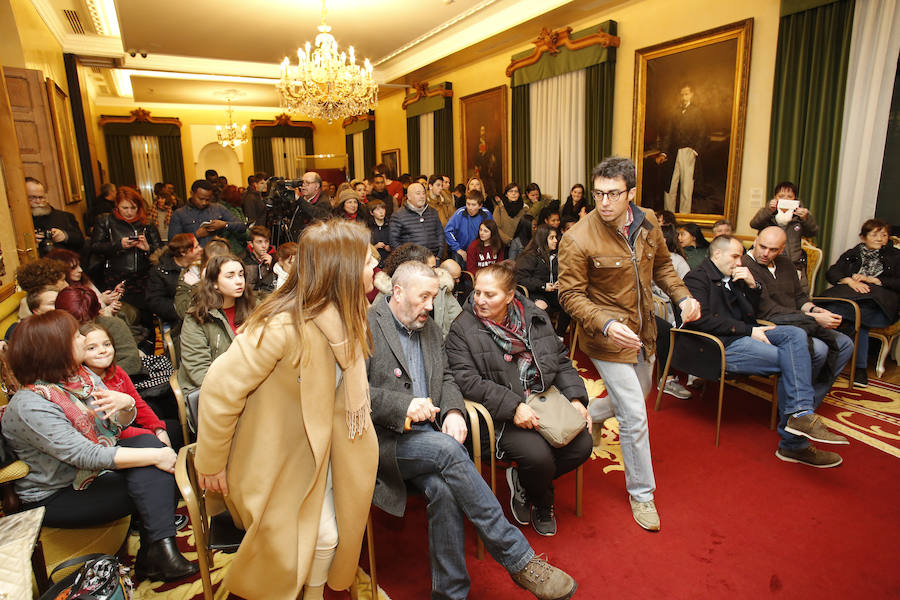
(328, 270)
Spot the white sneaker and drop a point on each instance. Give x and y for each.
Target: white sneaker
(673, 388)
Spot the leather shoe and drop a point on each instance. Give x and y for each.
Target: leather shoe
(162, 561)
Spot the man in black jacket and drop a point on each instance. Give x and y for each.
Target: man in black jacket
(418, 223)
(52, 228)
(418, 411)
(729, 297)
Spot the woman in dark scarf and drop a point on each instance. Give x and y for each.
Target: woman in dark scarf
(577, 205)
(508, 213)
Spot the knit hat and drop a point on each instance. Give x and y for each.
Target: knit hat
(346, 195)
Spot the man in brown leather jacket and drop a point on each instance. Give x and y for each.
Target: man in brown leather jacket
(606, 264)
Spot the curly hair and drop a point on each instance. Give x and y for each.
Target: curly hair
(41, 273)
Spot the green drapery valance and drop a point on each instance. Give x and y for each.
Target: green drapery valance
(418, 103)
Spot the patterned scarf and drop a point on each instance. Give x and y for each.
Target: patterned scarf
(871, 262)
(511, 337)
(71, 396)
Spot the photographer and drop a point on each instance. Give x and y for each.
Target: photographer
(292, 204)
(52, 228)
(126, 240)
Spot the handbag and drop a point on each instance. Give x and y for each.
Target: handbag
(560, 422)
(100, 577)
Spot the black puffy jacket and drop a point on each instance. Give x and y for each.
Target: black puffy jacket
(106, 241)
(161, 285)
(483, 374)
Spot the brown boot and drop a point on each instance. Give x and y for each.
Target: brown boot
(545, 581)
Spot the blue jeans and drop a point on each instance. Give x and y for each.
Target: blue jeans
(627, 385)
(787, 354)
(440, 467)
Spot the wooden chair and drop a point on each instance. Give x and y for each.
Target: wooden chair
(218, 532)
(813, 263)
(887, 336)
(168, 343)
(523, 289)
(703, 355)
(475, 410)
(187, 427)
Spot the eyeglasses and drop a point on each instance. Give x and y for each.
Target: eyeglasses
(613, 195)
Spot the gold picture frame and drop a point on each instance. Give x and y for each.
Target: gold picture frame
(66, 147)
(690, 111)
(391, 161)
(485, 151)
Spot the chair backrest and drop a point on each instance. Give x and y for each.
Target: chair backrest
(697, 354)
(168, 343)
(522, 289)
(186, 428)
(186, 479)
(813, 263)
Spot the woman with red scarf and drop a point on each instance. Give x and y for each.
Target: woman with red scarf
(125, 239)
(66, 425)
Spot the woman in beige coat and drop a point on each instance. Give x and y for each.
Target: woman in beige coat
(285, 432)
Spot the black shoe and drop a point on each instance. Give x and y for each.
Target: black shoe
(861, 378)
(161, 561)
(518, 501)
(544, 520)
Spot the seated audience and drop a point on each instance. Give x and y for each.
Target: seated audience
(417, 223)
(537, 270)
(285, 256)
(672, 318)
(496, 323)
(666, 217)
(459, 196)
(66, 426)
(221, 303)
(203, 219)
(110, 302)
(508, 213)
(462, 228)
(82, 304)
(100, 358)
(784, 302)
(258, 269)
(566, 223)
(418, 412)
(52, 228)
(797, 224)
(38, 302)
(39, 274)
(380, 228)
(462, 287)
(693, 244)
(486, 249)
(522, 236)
(576, 205)
(868, 274)
(722, 227)
(191, 276)
(488, 199)
(162, 283)
(534, 200)
(446, 308)
(126, 240)
(550, 216)
(729, 298)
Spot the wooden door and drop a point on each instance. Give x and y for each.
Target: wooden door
(34, 130)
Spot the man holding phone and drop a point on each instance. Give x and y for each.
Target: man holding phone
(202, 218)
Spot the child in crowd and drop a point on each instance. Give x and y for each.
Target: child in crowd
(487, 249)
(44, 272)
(285, 256)
(258, 262)
(38, 302)
(524, 231)
(381, 230)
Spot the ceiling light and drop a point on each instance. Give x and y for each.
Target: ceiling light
(230, 135)
(327, 84)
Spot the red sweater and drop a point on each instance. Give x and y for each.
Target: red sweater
(478, 256)
(146, 420)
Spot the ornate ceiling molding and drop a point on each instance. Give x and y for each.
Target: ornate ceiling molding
(282, 119)
(420, 90)
(139, 115)
(549, 42)
(351, 120)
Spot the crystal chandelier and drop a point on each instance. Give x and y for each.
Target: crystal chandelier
(231, 136)
(326, 84)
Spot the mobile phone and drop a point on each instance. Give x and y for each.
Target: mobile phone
(205, 223)
(133, 238)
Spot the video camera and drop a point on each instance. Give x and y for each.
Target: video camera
(281, 196)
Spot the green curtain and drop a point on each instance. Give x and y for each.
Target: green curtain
(443, 139)
(351, 164)
(369, 149)
(521, 136)
(808, 107)
(413, 143)
(598, 108)
(119, 159)
(262, 154)
(172, 162)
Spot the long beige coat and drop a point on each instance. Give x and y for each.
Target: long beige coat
(275, 425)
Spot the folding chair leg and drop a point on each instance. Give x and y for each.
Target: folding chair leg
(370, 543)
(719, 411)
(773, 418)
(579, 487)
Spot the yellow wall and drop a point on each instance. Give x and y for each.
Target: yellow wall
(40, 49)
(641, 23)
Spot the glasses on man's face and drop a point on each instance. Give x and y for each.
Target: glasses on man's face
(613, 195)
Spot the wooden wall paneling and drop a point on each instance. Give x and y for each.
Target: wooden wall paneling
(13, 175)
(34, 130)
